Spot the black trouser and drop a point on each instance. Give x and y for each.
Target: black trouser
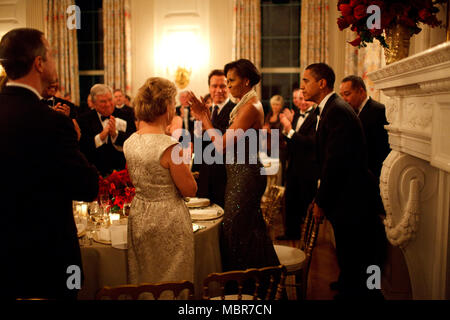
(360, 243)
(298, 196)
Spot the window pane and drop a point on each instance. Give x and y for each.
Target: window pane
(98, 65)
(279, 83)
(276, 21)
(85, 59)
(277, 53)
(86, 83)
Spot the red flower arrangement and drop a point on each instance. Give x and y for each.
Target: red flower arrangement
(393, 12)
(119, 187)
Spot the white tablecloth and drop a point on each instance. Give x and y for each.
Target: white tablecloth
(104, 265)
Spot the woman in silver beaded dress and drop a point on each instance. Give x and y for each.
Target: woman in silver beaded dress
(244, 240)
(160, 236)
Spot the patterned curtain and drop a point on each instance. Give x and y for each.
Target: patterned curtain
(64, 42)
(117, 44)
(314, 32)
(362, 61)
(247, 32)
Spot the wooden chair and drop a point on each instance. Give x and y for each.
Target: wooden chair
(297, 261)
(252, 284)
(272, 205)
(135, 291)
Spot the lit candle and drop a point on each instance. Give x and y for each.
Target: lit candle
(84, 208)
(114, 217)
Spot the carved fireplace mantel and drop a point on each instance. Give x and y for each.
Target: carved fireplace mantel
(415, 179)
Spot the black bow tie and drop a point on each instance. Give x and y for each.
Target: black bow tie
(104, 118)
(303, 115)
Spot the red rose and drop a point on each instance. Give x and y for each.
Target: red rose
(346, 9)
(376, 32)
(356, 42)
(354, 3)
(342, 23)
(424, 14)
(359, 12)
(350, 19)
(378, 3)
(407, 21)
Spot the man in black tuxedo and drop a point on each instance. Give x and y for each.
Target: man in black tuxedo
(61, 105)
(64, 106)
(345, 192)
(184, 111)
(213, 177)
(104, 130)
(373, 119)
(44, 171)
(299, 129)
(119, 101)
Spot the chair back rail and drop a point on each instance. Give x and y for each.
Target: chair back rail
(156, 289)
(266, 283)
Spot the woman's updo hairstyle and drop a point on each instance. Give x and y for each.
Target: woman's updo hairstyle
(244, 69)
(153, 98)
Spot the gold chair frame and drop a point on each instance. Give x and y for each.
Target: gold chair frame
(274, 291)
(156, 289)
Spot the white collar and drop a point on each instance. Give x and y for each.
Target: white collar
(363, 104)
(120, 107)
(324, 101)
(17, 84)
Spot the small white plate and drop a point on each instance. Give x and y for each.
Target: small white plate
(205, 214)
(197, 202)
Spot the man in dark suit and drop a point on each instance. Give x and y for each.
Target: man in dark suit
(373, 119)
(184, 111)
(344, 194)
(299, 129)
(44, 171)
(213, 177)
(61, 105)
(119, 101)
(104, 130)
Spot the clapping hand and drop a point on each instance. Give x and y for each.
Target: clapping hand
(63, 108)
(289, 114)
(198, 107)
(284, 120)
(112, 127)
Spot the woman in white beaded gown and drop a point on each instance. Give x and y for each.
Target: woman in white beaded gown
(160, 236)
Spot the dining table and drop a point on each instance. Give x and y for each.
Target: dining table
(105, 265)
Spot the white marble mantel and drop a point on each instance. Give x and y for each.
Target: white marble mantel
(415, 179)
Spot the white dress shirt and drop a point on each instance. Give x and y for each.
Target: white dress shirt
(300, 121)
(121, 125)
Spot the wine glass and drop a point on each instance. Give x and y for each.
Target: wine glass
(104, 202)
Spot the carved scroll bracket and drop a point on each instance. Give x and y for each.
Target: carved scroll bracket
(405, 183)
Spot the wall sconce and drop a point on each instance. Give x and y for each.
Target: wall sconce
(181, 53)
(182, 77)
